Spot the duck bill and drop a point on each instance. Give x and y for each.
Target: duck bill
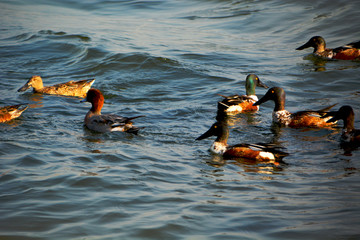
(306, 45)
(261, 84)
(207, 134)
(262, 100)
(24, 88)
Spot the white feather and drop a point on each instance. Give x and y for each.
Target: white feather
(267, 155)
(218, 148)
(283, 117)
(234, 108)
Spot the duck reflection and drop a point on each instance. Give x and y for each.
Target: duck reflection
(318, 63)
(238, 120)
(36, 100)
(248, 165)
(349, 148)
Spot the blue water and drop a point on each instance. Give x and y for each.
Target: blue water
(168, 60)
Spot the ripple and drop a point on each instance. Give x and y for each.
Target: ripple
(168, 60)
(30, 161)
(63, 36)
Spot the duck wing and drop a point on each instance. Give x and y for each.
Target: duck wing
(347, 46)
(75, 84)
(10, 112)
(233, 100)
(315, 113)
(265, 147)
(236, 97)
(112, 122)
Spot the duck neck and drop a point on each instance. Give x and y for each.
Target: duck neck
(320, 48)
(96, 107)
(224, 136)
(250, 87)
(349, 122)
(320, 45)
(280, 103)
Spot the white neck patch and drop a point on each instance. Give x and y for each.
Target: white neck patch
(282, 117)
(218, 147)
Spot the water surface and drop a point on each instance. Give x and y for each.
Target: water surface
(168, 60)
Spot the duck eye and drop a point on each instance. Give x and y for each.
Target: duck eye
(272, 91)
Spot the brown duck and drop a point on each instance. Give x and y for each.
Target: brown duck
(71, 88)
(98, 122)
(10, 112)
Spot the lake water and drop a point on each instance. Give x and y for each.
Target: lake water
(168, 60)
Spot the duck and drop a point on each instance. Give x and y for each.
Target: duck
(71, 88)
(299, 119)
(242, 103)
(349, 133)
(258, 152)
(349, 51)
(103, 123)
(10, 112)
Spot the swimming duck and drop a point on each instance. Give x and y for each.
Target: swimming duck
(349, 133)
(10, 112)
(71, 88)
(242, 103)
(295, 120)
(98, 122)
(349, 51)
(258, 152)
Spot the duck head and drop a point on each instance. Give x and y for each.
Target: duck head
(253, 81)
(218, 129)
(276, 94)
(95, 97)
(317, 42)
(35, 82)
(345, 113)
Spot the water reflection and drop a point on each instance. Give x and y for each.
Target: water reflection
(319, 64)
(248, 165)
(349, 148)
(13, 123)
(91, 140)
(35, 99)
(276, 131)
(243, 119)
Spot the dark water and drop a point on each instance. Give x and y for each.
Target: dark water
(168, 60)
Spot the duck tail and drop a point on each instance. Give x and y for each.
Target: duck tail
(18, 107)
(321, 113)
(132, 118)
(223, 96)
(134, 130)
(326, 109)
(274, 149)
(353, 45)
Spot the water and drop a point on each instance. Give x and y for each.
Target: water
(168, 60)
